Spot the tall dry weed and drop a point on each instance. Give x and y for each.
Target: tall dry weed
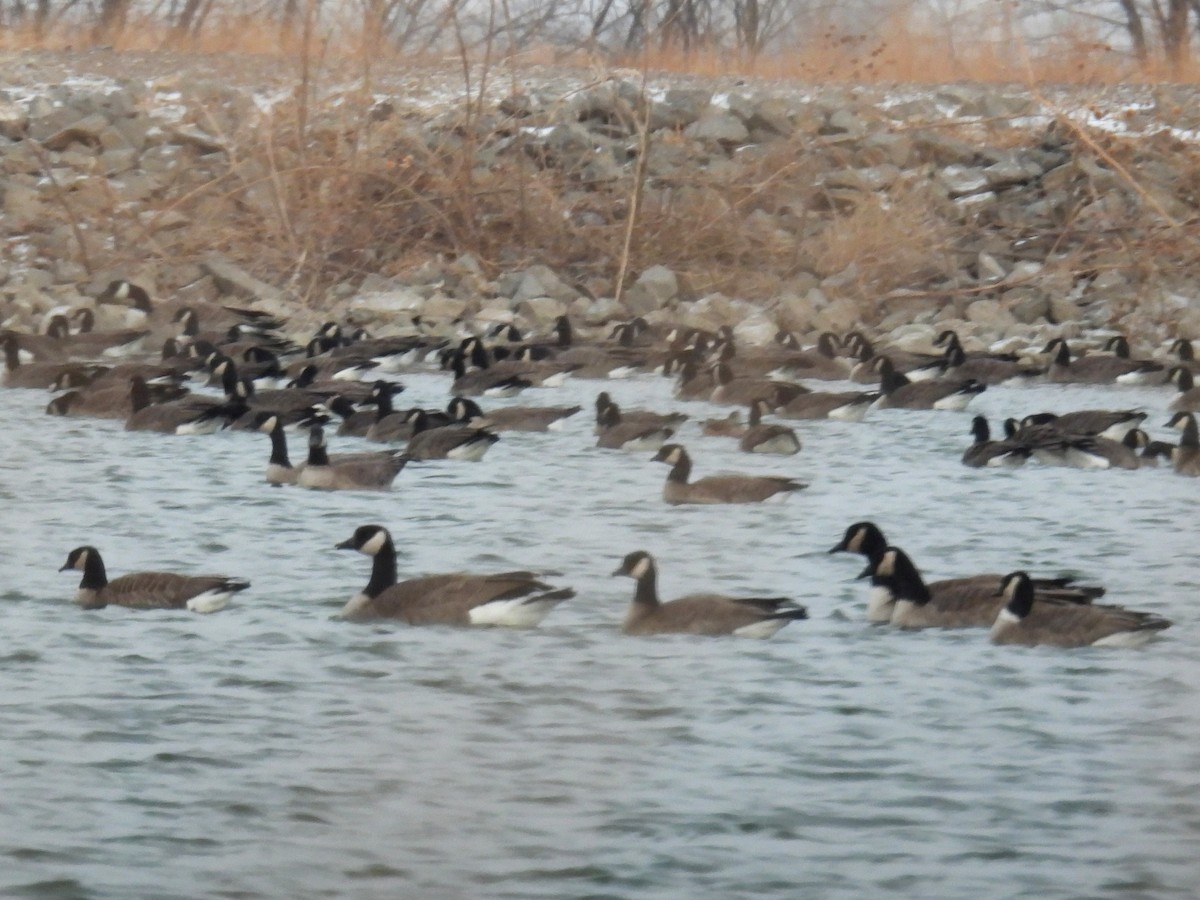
(887, 241)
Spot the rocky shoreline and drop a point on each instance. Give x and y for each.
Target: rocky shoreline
(1061, 213)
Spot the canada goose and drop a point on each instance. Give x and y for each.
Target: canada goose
(1094, 369)
(148, 590)
(1186, 458)
(729, 426)
(390, 424)
(704, 614)
(1047, 443)
(216, 316)
(617, 358)
(1073, 440)
(355, 422)
(504, 361)
(511, 418)
(1090, 422)
(1102, 453)
(784, 360)
(897, 584)
(28, 375)
(1146, 371)
(1185, 354)
(741, 391)
(44, 347)
(1188, 398)
(514, 599)
(692, 383)
(984, 369)
(1148, 451)
(447, 441)
(986, 452)
(280, 470)
(615, 433)
(1026, 622)
(901, 393)
(489, 382)
(823, 361)
(256, 364)
(916, 366)
(388, 354)
(968, 592)
(765, 437)
(170, 368)
(365, 472)
(902, 598)
(640, 416)
(87, 343)
(845, 406)
(717, 488)
(190, 414)
(111, 400)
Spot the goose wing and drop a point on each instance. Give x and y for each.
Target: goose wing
(164, 590)
(449, 598)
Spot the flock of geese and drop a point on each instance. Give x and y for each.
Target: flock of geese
(345, 383)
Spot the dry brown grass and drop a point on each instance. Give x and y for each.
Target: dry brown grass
(888, 242)
(315, 197)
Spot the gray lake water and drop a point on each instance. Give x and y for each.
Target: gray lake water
(272, 750)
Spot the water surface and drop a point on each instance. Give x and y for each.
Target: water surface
(272, 750)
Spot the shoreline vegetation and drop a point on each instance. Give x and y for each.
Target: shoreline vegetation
(500, 190)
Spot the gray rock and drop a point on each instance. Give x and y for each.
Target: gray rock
(1028, 305)
(839, 316)
(14, 120)
(230, 278)
(541, 281)
(711, 312)
(796, 312)
(384, 305)
(942, 149)
(962, 181)
(439, 307)
(1063, 309)
(117, 161)
(679, 108)
(755, 328)
(719, 128)
(845, 121)
(541, 312)
(875, 178)
(190, 136)
(1013, 170)
(989, 268)
(600, 311)
(769, 118)
(601, 168)
(84, 131)
(990, 314)
(613, 104)
(655, 288)
(880, 148)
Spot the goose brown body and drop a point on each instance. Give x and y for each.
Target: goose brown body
(1186, 457)
(148, 590)
(969, 601)
(699, 614)
(516, 599)
(1027, 621)
(717, 488)
(352, 472)
(767, 437)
